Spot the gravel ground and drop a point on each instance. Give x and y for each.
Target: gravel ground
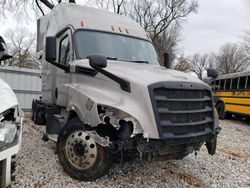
(38, 166)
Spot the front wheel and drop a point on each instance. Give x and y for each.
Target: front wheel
(220, 107)
(80, 156)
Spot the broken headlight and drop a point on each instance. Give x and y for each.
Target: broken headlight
(117, 117)
(8, 131)
(8, 125)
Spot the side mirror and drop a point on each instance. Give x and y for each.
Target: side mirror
(50, 50)
(50, 54)
(98, 61)
(212, 73)
(4, 57)
(167, 61)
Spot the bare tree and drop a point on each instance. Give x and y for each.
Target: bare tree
(116, 6)
(245, 45)
(20, 44)
(231, 59)
(161, 19)
(199, 63)
(21, 8)
(167, 42)
(156, 16)
(182, 65)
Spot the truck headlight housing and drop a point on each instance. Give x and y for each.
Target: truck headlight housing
(115, 117)
(8, 130)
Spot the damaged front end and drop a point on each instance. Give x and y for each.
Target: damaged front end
(10, 142)
(10, 127)
(185, 119)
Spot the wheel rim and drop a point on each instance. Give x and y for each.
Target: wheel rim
(81, 150)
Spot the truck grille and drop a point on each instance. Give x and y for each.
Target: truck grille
(182, 110)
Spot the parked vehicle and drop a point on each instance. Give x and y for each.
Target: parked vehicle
(104, 93)
(10, 126)
(232, 94)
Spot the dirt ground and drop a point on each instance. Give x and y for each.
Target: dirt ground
(38, 166)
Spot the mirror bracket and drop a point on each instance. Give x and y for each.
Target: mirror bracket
(167, 60)
(98, 62)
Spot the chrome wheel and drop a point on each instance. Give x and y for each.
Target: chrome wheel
(81, 150)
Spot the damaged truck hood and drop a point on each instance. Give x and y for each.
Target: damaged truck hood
(144, 74)
(7, 97)
(147, 74)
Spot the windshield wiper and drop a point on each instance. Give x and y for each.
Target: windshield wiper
(112, 58)
(138, 61)
(109, 58)
(133, 61)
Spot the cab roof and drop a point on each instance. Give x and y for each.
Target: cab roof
(83, 17)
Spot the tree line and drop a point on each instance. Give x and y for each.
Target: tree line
(231, 58)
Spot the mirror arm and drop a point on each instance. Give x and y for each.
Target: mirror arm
(5, 57)
(125, 85)
(66, 68)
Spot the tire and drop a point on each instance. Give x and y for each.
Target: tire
(220, 107)
(33, 109)
(80, 157)
(38, 113)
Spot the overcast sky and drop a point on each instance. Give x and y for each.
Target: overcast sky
(217, 22)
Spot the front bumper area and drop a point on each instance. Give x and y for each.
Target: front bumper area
(155, 149)
(6, 154)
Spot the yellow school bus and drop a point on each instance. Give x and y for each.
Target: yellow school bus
(232, 94)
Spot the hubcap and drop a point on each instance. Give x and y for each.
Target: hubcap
(81, 150)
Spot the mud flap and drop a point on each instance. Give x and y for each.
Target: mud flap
(211, 146)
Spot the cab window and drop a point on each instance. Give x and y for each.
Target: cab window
(234, 83)
(222, 83)
(217, 85)
(228, 83)
(242, 83)
(248, 83)
(64, 51)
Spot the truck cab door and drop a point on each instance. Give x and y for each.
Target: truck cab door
(62, 79)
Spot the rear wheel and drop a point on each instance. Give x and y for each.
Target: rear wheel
(38, 112)
(33, 109)
(80, 156)
(221, 110)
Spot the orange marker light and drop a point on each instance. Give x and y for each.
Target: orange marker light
(112, 27)
(82, 24)
(120, 29)
(126, 30)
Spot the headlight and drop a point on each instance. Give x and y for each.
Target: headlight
(8, 130)
(115, 116)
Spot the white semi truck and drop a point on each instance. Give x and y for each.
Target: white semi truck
(11, 117)
(104, 94)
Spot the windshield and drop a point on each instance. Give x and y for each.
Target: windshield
(113, 46)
